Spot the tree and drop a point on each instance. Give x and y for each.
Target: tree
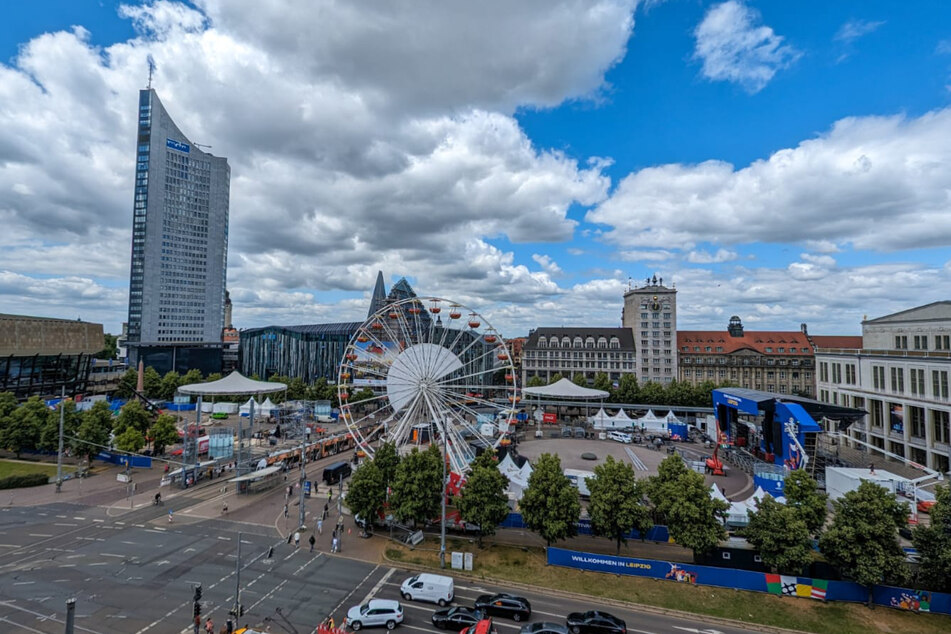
(483, 501)
(417, 486)
(653, 393)
(8, 403)
(862, 540)
(557, 376)
(49, 435)
(780, 535)
(934, 543)
(152, 383)
(803, 494)
(132, 415)
(24, 425)
(127, 383)
(603, 382)
(387, 460)
(214, 376)
(616, 501)
(110, 350)
(163, 433)
(296, 389)
(550, 504)
(535, 381)
(367, 493)
(194, 376)
(93, 433)
(170, 384)
(131, 440)
(681, 497)
(628, 391)
(580, 379)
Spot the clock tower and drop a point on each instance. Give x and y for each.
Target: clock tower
(650, 311)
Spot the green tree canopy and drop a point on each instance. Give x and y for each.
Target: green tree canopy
(418, 485)
(557, 376)
(170, 384)
(628, 391)
(152, 383)
(163, 433)
(214, 376)
(535, 381)
(603, 382)
(933, 543)
(194, 376)
(130, 440)
(387, 460)
(367, 492)
(803, 494)
(550, 504)
(483, 501)
(93, 433)
(133, 415)
(49, 435)
(24, 425)
(781, 537)
(862, 539)
(681, 496)
(8, 403)
(127, 383)
(616, 505)
(579, 379)
(110, 350)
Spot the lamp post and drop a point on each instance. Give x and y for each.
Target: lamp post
(442, 493)
(59, 455)
(303, 477)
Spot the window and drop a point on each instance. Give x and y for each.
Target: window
(875, 413)
(824, 372)
(878, 377)
(916, 417)
(939, 383)
(836, 373)
(898, 380)
(921, 342)
(850, 374)
(768, 349)
(901, 342)
(942, 342)
(917, 381)
(941, 426)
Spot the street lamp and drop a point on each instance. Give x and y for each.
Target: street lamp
(442, 493)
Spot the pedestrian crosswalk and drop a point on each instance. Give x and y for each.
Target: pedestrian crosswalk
(635, 460)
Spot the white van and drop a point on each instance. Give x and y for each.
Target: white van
(621, 437)
(428, 587)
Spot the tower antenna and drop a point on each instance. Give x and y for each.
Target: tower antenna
(151, 69)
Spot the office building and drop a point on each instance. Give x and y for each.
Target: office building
(899, 375)
(179, 247)
(578, 351)
(650, 311)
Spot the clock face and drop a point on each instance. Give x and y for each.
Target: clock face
(655, 305)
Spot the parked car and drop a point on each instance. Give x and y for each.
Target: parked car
(429, 587)
(620, 437)
(544, 627)
(375, 613)
(456, 618)
(595, 622)
(505, 605)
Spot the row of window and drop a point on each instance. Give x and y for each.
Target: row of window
(920, 342)
(578, 342)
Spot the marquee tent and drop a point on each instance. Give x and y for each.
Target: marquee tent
(601, 420)
(267, 407)
(234, 383)
(621, 419)
(650, 422)
(245, 409)
(518, 477)
(567, 390)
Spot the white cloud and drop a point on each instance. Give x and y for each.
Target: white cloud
(549, 265)
(854, 29)
(361, 137)
(877, 183)
(637, 255)
(733, 47)
(705, 257)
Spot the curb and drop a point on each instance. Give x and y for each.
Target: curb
(637, 607)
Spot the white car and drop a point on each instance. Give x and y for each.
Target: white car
(620, 437)
(374, 613)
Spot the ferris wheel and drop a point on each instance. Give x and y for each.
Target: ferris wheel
(426, 370)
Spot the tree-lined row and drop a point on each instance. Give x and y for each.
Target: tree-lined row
(860, 540)
(33, 426)
(629, 390)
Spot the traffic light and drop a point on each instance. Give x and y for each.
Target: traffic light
(240, 609)
(197, 593)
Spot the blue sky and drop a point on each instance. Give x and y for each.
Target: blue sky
(785, 162)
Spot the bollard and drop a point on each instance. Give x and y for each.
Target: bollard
(70, 615)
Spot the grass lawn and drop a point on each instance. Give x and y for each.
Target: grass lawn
(19, 467)
(507, 563)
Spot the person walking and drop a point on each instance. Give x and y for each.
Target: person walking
(320, 526)
(170, 516)
(285, 511)
(334, 545)
(210, 626)
(297, 539)
(312, 540)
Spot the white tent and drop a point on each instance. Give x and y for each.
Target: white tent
(245, 409)
(566, 389)
(224, 408)
(622, 417)
(717, 494)
(518, 478)
(601, 420)
(267, 407)
(650, 422)
(234, 383)
(671, 418)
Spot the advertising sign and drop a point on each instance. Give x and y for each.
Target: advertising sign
(177, 145)
(550, 418)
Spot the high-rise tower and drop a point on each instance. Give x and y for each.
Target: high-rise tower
(179, 247)
(651, 312)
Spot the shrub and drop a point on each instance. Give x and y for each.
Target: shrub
(24, 480)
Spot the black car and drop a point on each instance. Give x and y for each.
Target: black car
(505, 605)
(456, 618)
(594, 622)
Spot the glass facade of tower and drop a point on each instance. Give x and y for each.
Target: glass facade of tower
(179, 239)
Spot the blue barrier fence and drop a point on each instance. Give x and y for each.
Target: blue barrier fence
(901, 598)
(141, 462)
(655, 534)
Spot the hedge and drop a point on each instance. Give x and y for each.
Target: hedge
(24, 480)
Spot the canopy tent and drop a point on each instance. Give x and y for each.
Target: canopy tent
(245, 408)
(650, 422)
(234, 383)
(601, 420)
(567, 390)
(622, 417)
(671, 418)
(518, 477)
(267, 407)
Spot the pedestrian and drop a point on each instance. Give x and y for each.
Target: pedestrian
(224, 509)
(285, 510)
(312, 540)
(170, 516)
(333, 545)
(297, 539)
(210, 626)
(320, 526)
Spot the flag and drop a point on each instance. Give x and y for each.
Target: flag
(774, 584)
(819, 587)
(789, 585)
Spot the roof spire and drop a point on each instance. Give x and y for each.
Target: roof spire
(378, 300)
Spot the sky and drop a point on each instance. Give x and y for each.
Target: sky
(786, 162)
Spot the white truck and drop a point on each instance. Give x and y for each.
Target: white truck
(428, 587)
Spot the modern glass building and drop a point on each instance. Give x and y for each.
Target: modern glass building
(179, 247)
(308, 352)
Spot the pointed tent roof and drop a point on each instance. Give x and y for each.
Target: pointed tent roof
(234, 383)
(649, 416)
(378, 300)
(621, 416)
(565, 389)
(672, 418)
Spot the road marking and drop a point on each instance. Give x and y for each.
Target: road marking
(45, 617)
(379, 584)
(80, 519)
(111, 555)
(23, 583)
(99, 563)
(39, 535)
(67, 565)
(224, 539)
(350, 594)
(4, 619)
(696, 631)
(65, 524)
(62, 517)
(96, 521)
